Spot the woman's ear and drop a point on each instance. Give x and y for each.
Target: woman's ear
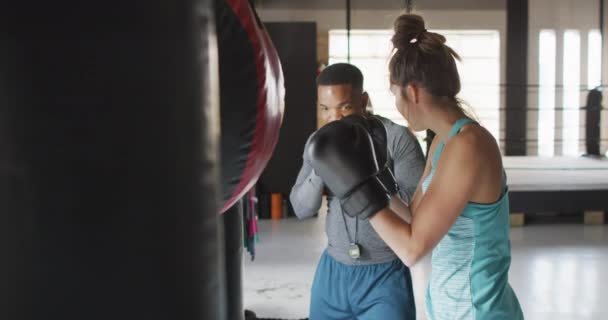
(412, 92)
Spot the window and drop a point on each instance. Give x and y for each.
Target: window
(572, 83)
(594, 59)
(546, 92)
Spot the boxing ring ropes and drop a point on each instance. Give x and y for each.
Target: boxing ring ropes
(560, 184)
(563, 184)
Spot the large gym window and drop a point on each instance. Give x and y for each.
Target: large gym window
(571, 96)
(479, 69)
(546, 92)
(594, 59)
(571, 125)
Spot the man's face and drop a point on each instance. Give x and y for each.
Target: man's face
(338, 101)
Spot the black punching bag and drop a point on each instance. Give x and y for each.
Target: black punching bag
(251, 111)
(233, 248)
(109, 172)
(593, 111)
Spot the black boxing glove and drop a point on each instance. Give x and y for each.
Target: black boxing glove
(342, 153)
(377, 132)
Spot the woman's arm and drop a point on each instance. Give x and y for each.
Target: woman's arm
(451, 188)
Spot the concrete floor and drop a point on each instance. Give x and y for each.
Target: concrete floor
(558, 271)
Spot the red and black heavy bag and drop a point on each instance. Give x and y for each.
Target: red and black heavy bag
(251, 97)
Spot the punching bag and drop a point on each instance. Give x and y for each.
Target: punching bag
(233, 249)
(593, 122)
(251, 111)
(252, 97)
(109, 162)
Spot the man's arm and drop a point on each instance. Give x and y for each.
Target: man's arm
(399, 207)
(306, 193)
(427, 170)
(408, 160)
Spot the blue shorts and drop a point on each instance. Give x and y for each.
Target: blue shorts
(364, 292)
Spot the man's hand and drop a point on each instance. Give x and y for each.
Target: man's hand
(342, 153)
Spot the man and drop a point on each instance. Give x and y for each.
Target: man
(358, 276)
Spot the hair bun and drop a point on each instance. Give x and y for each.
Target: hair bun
(435, 37)
(407, 28)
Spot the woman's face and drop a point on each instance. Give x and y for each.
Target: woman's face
(405, 106)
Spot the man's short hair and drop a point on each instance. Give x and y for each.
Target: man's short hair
(341, 73)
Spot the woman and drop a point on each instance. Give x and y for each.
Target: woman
(460, 209)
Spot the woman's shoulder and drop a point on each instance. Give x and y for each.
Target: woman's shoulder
(473, 136)
(475, 140)
(477, 160)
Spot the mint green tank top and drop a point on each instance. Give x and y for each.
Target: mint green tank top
(470, 265)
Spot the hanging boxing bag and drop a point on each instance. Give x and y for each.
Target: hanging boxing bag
(251, 97)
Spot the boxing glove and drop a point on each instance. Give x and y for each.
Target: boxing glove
(377, 132)
(342, 154)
